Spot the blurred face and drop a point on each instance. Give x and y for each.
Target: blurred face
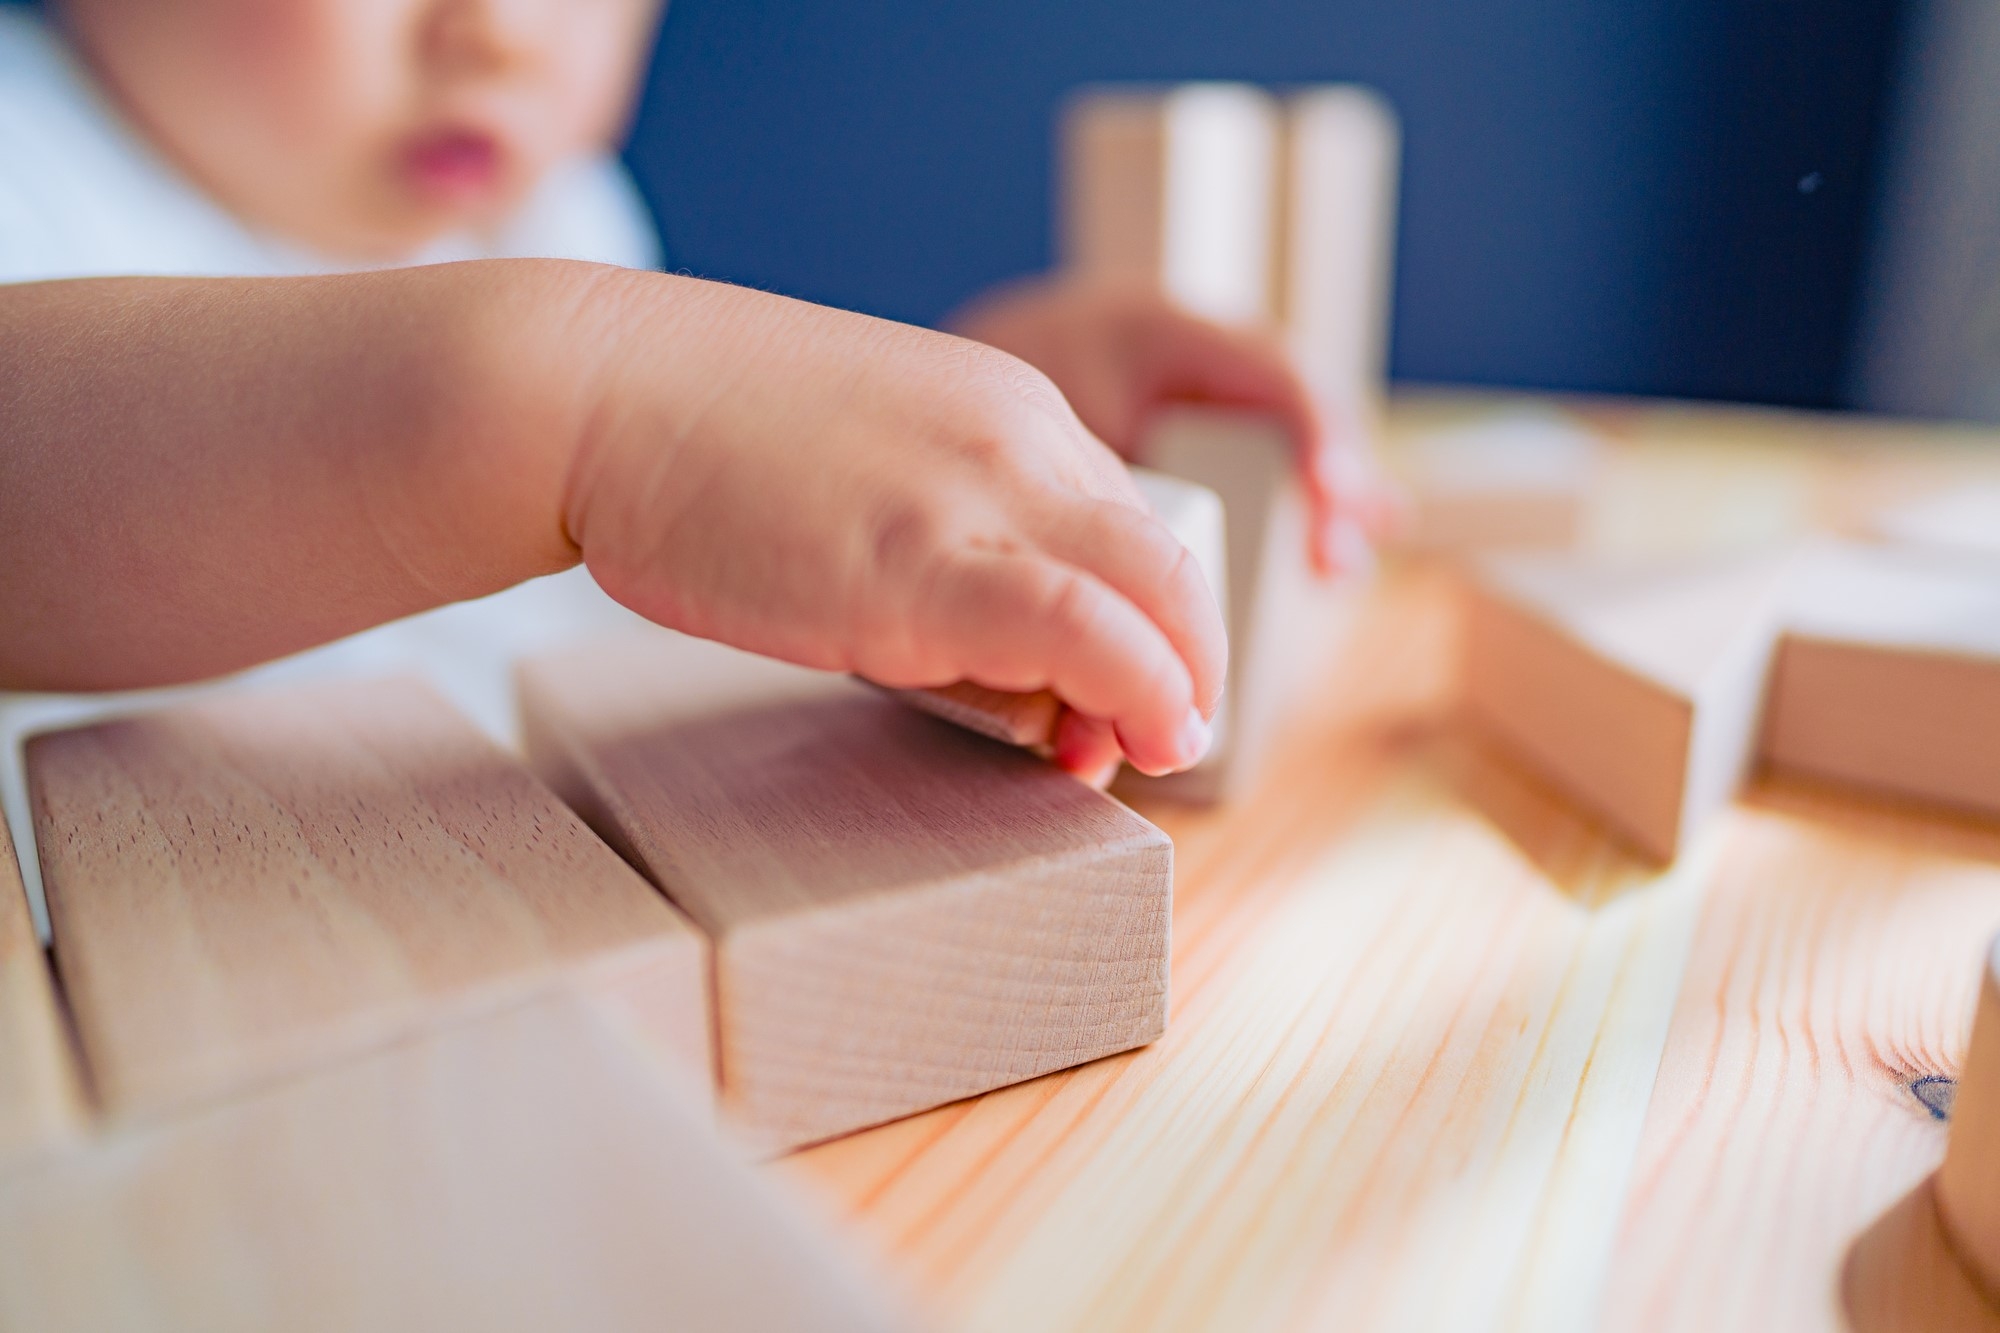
(365, 128)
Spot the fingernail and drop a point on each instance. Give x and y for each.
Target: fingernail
(1196, 734)
(1103, 776)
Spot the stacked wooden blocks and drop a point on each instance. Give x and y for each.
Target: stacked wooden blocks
(1646, 692)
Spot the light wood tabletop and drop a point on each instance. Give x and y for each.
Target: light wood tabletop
(1445, 1055)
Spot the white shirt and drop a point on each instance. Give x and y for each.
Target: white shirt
(83, 195)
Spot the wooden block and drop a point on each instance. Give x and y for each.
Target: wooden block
(1248, 461)
(1175, 188)
(39, 1101)
(245, 885)
(1516, 480)
(1633, 688)
(1968, 1184)
(1964, 520)
(528, 1170)
(902, 913)
(1889, 676)
(1194, 514)
(1338, 237)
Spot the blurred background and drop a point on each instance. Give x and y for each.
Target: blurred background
(1676, 197)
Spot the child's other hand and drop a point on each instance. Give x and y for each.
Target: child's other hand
(913, 507)
(1120, 351)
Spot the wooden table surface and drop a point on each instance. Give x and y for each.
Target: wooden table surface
(1444, 1055)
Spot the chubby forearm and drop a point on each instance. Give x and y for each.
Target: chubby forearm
(197, 475)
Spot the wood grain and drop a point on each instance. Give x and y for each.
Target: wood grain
(902, 913)
(39, 1100)
(526, 1170)
(1399, 1037)
(250, 884)
(1357, 946)
(1823, 1011)
(1636, 688)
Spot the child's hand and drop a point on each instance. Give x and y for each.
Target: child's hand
(863, 496)
(1120, 351)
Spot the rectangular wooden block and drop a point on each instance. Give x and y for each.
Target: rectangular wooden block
(902, 913)
(1175, 188)
(39, 1104)
(1889, 676)
(526, 1170)
(1338, 239)
(245, 885)
(1517, 480)
(1248, 461)
(1634, 688)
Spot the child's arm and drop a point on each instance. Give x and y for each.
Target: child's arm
(197, 475)
(1119, 351)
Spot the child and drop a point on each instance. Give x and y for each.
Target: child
(201, 472)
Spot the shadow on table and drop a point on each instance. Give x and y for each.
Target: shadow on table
(1580, 857)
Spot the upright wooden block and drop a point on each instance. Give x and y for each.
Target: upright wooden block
(38, 1092)
(1175, 188)
(1338, 236)
(1516, 480)
(1634, 689)
(1968, 1184)
(1248, 461)
(1194, 514)
(527, 1170)
(249, 884)
(1889, 676)
(902, 913)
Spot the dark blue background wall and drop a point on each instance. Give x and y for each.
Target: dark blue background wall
(1650, 196)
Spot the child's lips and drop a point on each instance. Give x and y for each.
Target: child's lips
(454, 167)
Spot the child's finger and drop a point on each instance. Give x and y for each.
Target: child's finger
(1141, 559)
(1088, 748)
(1004, 615)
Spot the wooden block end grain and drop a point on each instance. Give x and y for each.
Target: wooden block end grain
(902, 913)
(1968, 1184)
(251, 884)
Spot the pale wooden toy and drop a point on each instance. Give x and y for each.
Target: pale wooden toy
(901, 913)
(1249, 462)
(527, 1170)
(1968, 1184)
(1888, 676)
(1633, 688)
(257, 882)
(1175, 188)
(1514, 480)
(1194, 515)
(39, 1104)
(1336, 244)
